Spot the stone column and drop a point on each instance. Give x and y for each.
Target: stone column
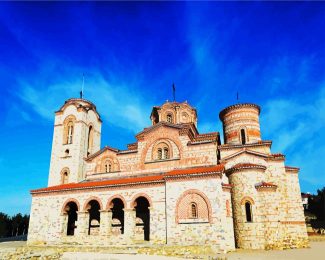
(105, 222)
(64, 223)
(152, 233)
(129, 223)
(82, 224)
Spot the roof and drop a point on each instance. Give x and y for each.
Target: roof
(135, 180)
(245, 166)
(80, 103)
(264, 184)
(173, 103)
(197, 170)
(237, 106)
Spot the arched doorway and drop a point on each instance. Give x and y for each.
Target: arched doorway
(93, 208)
(71, 209)
(143, 212)
(118, 213)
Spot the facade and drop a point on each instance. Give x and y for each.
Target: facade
(173, 186)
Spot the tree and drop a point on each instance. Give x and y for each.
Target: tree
(13, 226)
(317, 204)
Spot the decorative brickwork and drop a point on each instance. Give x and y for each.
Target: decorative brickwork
(173, 186)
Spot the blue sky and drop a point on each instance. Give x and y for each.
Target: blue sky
(273, 53)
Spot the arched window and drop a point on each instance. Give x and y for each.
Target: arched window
(194, 210)
(243, 136)
(162, 151)
(68, 129)
(248, 211)
(65, 176)
(108, 166)
(169, 118)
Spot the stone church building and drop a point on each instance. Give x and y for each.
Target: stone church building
(173, 186)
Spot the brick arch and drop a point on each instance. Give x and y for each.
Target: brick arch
(132, 203)
(115, 197)
(151, 144)
(66, 203)
(247, 198)
(155, 145)
(93, 198)
(200, 207)
(100, 168)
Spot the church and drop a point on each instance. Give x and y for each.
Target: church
(174, 186)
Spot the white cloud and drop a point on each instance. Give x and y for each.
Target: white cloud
(119, 104)
(297, 128)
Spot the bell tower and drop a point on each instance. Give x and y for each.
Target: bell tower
(241, 124)
(77, 132)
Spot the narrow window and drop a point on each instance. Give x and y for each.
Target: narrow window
(159, 154)
(169, 118)
(243, 137)
(248, 209)
(193, 210)
(166, 153)
(70, 133)
(109, 167)
(90, 140)
(65, 178)
(106, 167)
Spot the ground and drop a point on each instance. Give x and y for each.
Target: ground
(315, 252)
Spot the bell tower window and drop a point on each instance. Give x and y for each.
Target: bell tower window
(68, 130)
(70, 133)
(243, 136)
(65, 176)
(90, 140)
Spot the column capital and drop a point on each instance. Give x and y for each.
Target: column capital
(129, 209)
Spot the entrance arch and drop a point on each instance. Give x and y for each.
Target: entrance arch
(117, 208)
(71, 209)
(93, 208)
(143, 212)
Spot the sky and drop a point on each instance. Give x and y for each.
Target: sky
(271, 53)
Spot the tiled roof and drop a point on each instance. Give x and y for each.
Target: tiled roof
(82, 185)
(206, 137)
(101, 151)
(231, 146)
(136, 180)
(247, 165)
(294, 169)
(227, 109)
(197, 170)
(264, 184)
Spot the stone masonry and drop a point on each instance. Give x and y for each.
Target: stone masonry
(172, 187)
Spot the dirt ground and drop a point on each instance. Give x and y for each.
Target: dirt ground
(315, 252)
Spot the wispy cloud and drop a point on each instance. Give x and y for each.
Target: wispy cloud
(297, 127)
(118, 102)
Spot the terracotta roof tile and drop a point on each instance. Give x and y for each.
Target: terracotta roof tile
(197, 170)
(264, 184)
(81, 185)
(136, 180)
(247, 165)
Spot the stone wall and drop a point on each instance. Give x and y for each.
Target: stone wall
(49, 225)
